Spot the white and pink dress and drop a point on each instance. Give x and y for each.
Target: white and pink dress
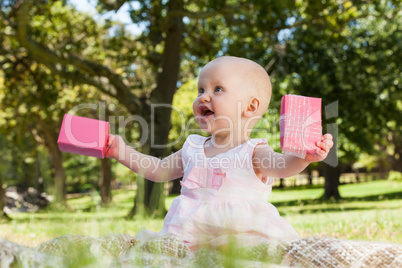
(222, 199)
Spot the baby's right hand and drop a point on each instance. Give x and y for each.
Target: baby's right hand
(114, 146)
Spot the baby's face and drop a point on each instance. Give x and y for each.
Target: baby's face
(223, 94)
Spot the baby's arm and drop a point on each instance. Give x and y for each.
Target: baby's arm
(278, 165)
(150, 167)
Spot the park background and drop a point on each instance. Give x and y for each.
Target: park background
(55, 57)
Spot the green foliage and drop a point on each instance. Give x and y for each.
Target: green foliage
(346, 51)
(352, 56)
(182, 119)
(31, 93)
(395, 176)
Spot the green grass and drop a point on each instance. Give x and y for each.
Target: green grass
(368, 211)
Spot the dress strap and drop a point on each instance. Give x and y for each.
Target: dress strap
(252, 144)
(193, 144)
(192, 147)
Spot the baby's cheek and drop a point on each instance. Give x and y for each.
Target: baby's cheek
(195, 107)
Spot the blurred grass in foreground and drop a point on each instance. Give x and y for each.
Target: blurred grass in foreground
(368, 211)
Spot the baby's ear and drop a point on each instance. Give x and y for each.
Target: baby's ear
(252, 107)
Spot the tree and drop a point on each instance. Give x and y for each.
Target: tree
(3, 214)
(178, 34)
(32, 95)
(2, 194)
(353, 58)
(162, 42)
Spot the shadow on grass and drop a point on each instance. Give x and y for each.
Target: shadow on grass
(334, 209)
(298, 187)
(320, 201)
(65, 218)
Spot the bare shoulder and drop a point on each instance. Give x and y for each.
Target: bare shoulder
(261, 150)
(262, 156)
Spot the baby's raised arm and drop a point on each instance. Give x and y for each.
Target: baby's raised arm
(278, 165)
(150, 167)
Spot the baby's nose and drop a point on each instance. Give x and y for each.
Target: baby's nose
(205, 97)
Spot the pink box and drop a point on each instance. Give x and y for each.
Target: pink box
(300, 125)
(83, 135)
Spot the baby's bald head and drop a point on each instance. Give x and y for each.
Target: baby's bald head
(256, 76)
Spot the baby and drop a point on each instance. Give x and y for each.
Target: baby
(227, 177)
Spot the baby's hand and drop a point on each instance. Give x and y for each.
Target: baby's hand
(114, 146)
(321, 153)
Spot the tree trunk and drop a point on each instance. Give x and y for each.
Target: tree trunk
(38, 176)
(3, 202)
(357, 175)
(396, 163)
(310, 175)
(151, 199)
(26, 176)
(141, 206)
(105, 181)
(176, 187)
(59, 180)
(2, 195)
(331, 175)
(281, 183)
(57, 159)
(395, 159)
(162, 94)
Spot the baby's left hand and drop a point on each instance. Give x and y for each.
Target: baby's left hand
(324, 145)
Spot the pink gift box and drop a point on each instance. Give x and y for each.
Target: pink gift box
(300, 125)
(82, 135)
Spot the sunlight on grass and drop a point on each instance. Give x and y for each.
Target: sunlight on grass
(373, 225)
(374, 188)
(368, 211)
(294, 194)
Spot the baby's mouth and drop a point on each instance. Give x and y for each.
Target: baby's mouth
(205, 111)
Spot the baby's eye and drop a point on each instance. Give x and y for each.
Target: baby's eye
(201, 90)
(218, 89)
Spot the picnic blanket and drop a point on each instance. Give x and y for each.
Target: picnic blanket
(119, 250)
